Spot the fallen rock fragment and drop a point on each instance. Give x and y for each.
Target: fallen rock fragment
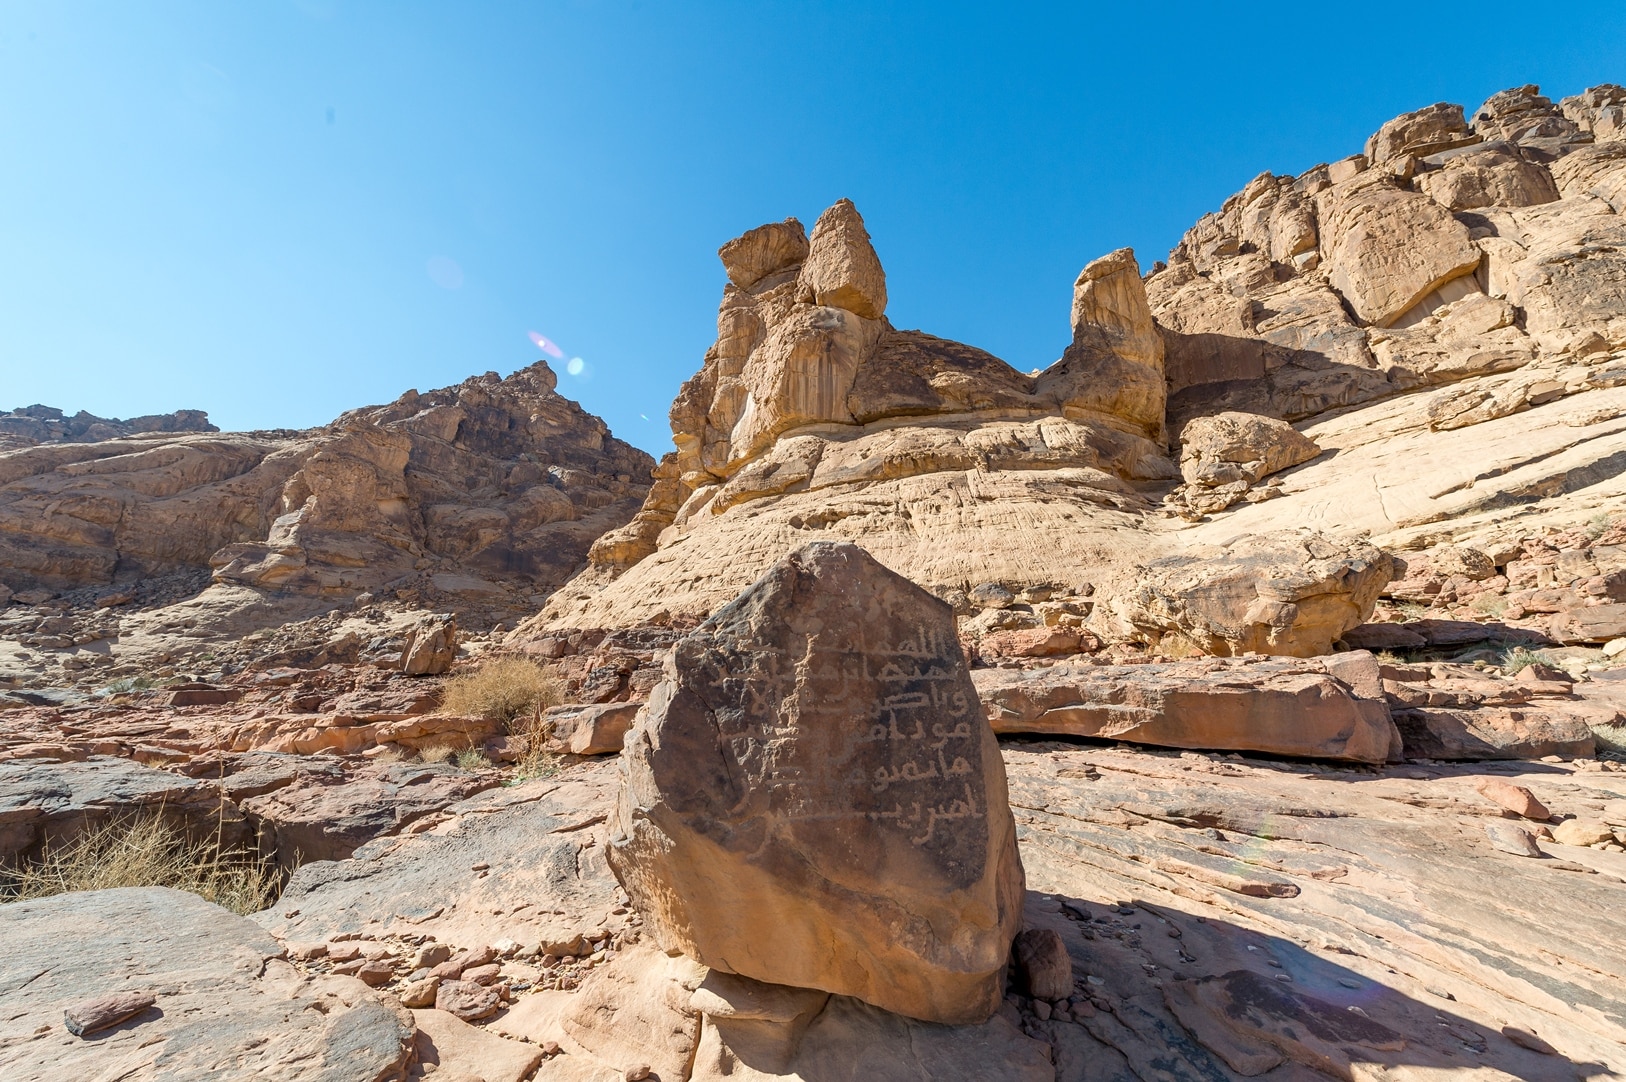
(1508, 838)
(459, 1050)
(1042, 962)
(813, 800)
(1275, 706)
(1515, 798)
(467, 1000)
(95, 1015)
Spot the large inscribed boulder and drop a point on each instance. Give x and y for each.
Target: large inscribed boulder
(813, 797)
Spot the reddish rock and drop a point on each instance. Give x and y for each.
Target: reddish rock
(94, 1015)
(1515, 798)
(470, 1002)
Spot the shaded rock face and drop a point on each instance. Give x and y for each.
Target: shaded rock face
(493, 478)
(813, 799)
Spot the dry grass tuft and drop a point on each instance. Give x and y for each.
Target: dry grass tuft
(437, 753)
(1611, 741)
(146, 852)
(502, 690)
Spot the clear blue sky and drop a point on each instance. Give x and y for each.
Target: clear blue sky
(278, 210)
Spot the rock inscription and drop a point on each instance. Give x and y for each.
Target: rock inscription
(815, 772)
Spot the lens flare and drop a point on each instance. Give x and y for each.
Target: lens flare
(546, 345)
(575, 365)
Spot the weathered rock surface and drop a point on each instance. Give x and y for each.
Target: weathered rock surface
(811, 420)
(227, 1004)
(1276, 707)
(482, 497)
(812, 799)
(29, 426)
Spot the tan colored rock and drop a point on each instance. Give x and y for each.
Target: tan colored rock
(601, 730)
(1277, 707)
(1295, 597)
(1426, 131)
(1582, 832)
(1114, 366)
(1227, 447)
(1496, 175)
(1513, 840)
(767, 249)
(859, 801)
(431, 647)
(461, 1051)
(842, 270)
(1386, 248)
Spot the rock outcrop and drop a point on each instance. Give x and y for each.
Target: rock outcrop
(226, 998)
(813, 420)
(31, 425)
(484, 496)
(813, 799)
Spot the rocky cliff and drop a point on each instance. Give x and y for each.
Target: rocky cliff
(1441, 318)
(481, 497)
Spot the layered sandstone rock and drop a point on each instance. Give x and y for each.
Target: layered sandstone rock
(1273, 707)
(31, 425)
(810, 421)
(813, 799)
(479, 498)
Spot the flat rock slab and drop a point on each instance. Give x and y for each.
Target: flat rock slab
(539, 850)
(41, 799)
(1275, 706)
(226, 1005)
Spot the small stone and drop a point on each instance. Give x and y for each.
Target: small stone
(376, 973)
(482, 974)
(1525, 1039)
(431, 955)
(636, 1074)
(1515, 798)
(307, 952)
(1042, 960)
(1347, 983)
(469, 1002)
(1508, 838)
(420, 993)
(94, 1015)
(343, 952)
(1041, 1010)
(1582, 832)
(550, 1048)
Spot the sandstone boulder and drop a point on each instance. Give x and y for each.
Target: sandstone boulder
(1276, 707)
(1293, 596)
(430, 647)
(1228, 447)
(842, 270)
(812, 800)
(1386, 248)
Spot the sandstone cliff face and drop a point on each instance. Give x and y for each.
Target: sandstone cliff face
(1443, 316)
(1452, 248)
(155, 546)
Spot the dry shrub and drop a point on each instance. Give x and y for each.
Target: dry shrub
(1611, 741)
(503, 690)
(437, 753)
(146, 852)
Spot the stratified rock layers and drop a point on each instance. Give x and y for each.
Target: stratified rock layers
(813, 798)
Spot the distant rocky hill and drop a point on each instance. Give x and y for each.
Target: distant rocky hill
(30, 425)
(479, 498)
(1442, 317)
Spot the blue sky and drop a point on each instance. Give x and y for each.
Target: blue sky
(279, 210)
